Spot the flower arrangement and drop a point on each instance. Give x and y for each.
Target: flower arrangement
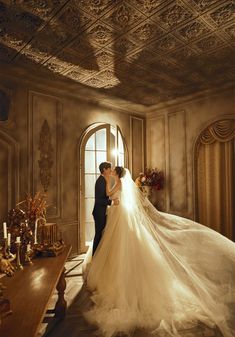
(34, 206)
(151, 177)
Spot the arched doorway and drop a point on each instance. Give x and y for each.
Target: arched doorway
(100, 142)
(214, 177)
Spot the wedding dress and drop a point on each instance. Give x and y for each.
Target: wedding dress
(158, 272)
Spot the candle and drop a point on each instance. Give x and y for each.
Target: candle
(35, 233)
(5, 230)
(9, 239)
(17, 239)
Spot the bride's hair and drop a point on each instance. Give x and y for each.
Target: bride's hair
(120, 171)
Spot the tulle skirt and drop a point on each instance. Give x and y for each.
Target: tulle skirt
(161, 273)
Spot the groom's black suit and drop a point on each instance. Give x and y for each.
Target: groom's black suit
(99, 211)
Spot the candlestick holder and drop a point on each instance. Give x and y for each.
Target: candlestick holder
(28, 255)
(18, 263)
(5, 249)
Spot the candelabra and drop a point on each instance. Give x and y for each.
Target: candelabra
(18, 263)
(28, 255)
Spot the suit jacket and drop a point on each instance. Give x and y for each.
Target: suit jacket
(101, 199)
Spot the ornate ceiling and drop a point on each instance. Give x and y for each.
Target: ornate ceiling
(141, 51)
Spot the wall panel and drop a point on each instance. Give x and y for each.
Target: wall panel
(137, 145)
(177, 162)
(45, 122)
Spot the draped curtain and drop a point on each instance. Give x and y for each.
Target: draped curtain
(215, 180)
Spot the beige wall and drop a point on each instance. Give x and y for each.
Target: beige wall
(19, 149)
(171, 135)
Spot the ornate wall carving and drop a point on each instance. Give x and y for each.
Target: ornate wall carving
(44, 149)
(46, 155)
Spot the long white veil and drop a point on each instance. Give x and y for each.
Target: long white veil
(199, 258)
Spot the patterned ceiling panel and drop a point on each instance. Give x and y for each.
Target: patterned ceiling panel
(141, 51)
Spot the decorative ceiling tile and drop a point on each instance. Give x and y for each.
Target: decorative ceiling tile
(78, 75)
(165, 45)
(148, 7)
(173, 15)
(202, 5)
(224, 13)
(146, 31)
(95, 7)
(57, 65)
(82, 47)
(52, 37)
(123, 16)
(183, 54)
(231, 31)
(104, 58)
(192, 31)
(209, 43)
(12, 41)
(74, 19)
(40, 8)
(123, 46)
(95, 83)
(100, 34)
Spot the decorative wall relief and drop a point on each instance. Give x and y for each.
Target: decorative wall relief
(44, 146)
(46, 151)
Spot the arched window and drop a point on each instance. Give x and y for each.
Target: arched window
(101, 142)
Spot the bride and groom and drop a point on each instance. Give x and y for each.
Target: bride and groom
(154, 271)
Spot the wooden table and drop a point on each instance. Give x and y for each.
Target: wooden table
(29, 292)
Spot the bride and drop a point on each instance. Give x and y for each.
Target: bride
(156, 271)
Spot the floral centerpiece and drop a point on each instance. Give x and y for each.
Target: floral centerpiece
(21, 220)
(151, 177)
(34, 207)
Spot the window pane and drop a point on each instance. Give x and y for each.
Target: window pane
(89, 204)
(90, 145)
(120, 143)
(121, 159)
(101, 139)
(100, 157)
(90, 231)
(90, 185)
(89, 162)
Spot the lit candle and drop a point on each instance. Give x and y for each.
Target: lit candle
(5, 230)
(9, 239)
(18, 239)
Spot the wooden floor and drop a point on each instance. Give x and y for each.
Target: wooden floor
(74, 325)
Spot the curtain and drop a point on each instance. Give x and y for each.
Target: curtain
(215, 177)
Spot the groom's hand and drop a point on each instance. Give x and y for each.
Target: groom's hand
(116, 202)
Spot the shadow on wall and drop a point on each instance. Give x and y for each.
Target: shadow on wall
(4, 106)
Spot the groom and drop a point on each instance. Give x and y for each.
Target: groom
(101, 203)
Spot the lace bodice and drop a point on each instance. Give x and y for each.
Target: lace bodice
(116, 195)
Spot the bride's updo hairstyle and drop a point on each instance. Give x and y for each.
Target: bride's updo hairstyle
(120, 171)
